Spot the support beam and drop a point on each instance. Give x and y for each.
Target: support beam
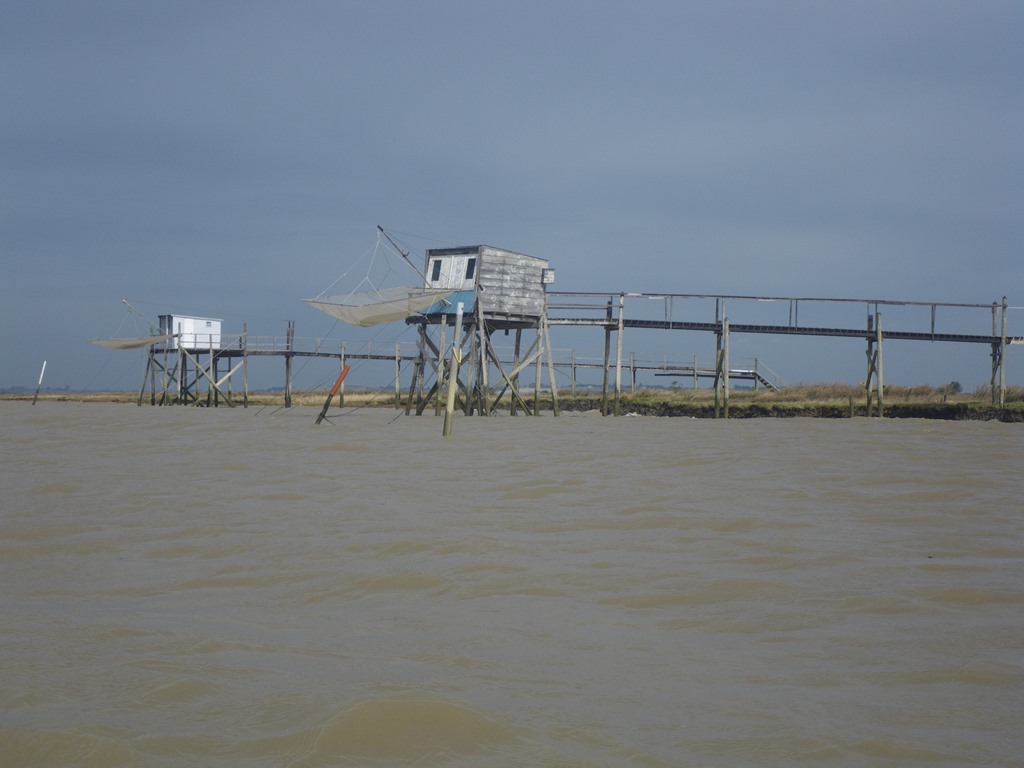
(514, 382)
(442, 344)
(145, 376)
(485, 339)
(202, 372)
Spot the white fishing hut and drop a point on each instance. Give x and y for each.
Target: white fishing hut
(192, 333)
(496, 290)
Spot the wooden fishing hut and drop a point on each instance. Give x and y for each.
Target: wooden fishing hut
(490, 290)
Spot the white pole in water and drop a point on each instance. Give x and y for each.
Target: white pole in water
(40, 384)
(453, 371)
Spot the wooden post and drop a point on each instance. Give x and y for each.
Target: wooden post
(453, 372)
(1002, 360)
(718, 369)
(211, 392)
(417, 367)
(871, 362)
(878, 368)
(607, 358)
(145, 375)
(182, 375)
(484, 388)
(245, 366)
(513, 408)
(537, 378)
(439, 363)
(632, 373)
(725, 364)
(152, 376)
(398, 376)
(442, 342)
(618, 355)
(341, 388)
(572, 374)
(288, 365)
(551, 363)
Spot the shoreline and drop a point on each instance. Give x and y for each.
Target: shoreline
(697, 404)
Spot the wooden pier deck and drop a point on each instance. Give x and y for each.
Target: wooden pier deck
(614, 313)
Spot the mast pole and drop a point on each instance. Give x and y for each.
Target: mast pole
(403, 254)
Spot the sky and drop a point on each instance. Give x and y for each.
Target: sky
(228, 159)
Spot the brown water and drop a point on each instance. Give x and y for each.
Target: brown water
(240, 588)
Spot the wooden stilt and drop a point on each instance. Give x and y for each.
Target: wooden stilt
(456, 361)
(537, 379)
(1002, 359)
(341, 389)
(872, 359)
(152, 376)
(607, 358)
(511, 379)
(472, 368)
(417, 367)
(211, 392)
(398, 376)
(145, 376)
(551, 364)
(725, 366)
(878, 367)
(618, 355)
(182, 373)
(200, 371)
(482, 359)
(572, 375)
(442, 343)
(245, 366)
(719, 358)
(513, 410)
(289, 341)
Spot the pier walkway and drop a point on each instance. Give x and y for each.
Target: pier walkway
(616, 312)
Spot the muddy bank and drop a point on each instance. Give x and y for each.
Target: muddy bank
(945, 411)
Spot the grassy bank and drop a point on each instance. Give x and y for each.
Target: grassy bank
(811, 400)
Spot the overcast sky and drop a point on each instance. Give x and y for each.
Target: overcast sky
(228, 159)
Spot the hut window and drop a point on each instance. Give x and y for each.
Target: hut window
(435, 275)
(470, 269)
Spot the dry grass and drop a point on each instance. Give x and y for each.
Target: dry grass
(809, 395)
(830, 394)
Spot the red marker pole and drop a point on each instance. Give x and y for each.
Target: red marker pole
(333, 392)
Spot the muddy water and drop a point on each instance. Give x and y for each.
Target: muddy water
(241, 588)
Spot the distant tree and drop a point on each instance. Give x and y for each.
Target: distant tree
(954, 388)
